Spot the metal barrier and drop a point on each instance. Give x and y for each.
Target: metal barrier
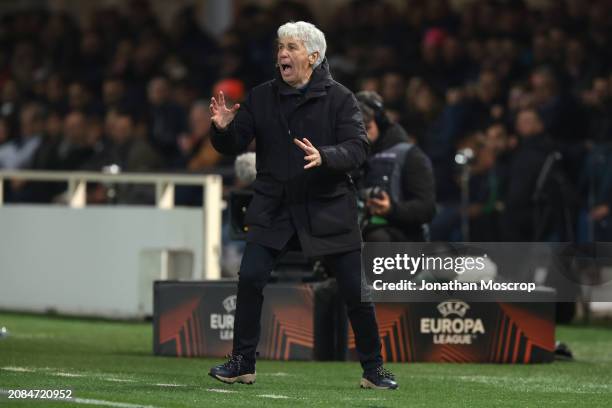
(164, 199)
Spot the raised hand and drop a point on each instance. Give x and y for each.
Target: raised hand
(312, 154)
(221, 115)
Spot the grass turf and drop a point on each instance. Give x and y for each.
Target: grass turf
(105, 361)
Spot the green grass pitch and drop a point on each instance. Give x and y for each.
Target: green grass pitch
(111, 364)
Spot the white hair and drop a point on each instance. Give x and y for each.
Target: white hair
(311, 36)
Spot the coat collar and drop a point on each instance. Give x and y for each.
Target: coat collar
(320, 80)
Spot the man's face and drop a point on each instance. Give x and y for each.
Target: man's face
(112, 91)
(74, 128)
(543, 87)
(77, 96)
(488, 88)
(30, 124)
(393, 87)
(158, 91)
(529, 124)
(497, 138)
(372, 130)
(122, 129)
(294, 62)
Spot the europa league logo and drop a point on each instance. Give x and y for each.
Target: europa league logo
(229, 303)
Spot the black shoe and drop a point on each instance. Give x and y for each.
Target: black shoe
(562, 352)
(236, 369)
(378, 379)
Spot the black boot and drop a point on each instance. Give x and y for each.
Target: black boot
(236, 369)
(379, 379)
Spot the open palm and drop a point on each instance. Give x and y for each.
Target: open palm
(221, 115)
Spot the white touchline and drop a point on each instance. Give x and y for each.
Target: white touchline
(64, 374)
(279, 374)
(220, 390)
(51, 371)
(89, 401)
(275, 396)
(18, 369)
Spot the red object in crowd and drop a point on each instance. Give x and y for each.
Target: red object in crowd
(434, 37)
(232, 88)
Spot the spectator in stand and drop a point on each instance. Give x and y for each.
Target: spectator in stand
(113, 93)
(58, 152)
(185, 94)
(92, 60)
(393, 92)
(166, 121)
(5, 130)
(130, 153)
(75, 148)
(45, 157)
(557, 110)
(597, 101)
(194, 46)
(124, 149)
(196, 145)
(18, 153)
(486, 99)
(55, 94)
(595, 222)
(535, 146)
(431, 68)
(10, 102)
(81, 99)
(486, 183)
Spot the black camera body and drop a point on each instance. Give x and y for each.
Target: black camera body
(371, 192)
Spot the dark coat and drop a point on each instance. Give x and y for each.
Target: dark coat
(526, 166)
(319, 203)
(418, 203)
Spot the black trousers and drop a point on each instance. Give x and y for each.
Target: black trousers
(257, 263)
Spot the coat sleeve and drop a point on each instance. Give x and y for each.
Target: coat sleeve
(239, 133)
(418, 179)
(352, 146)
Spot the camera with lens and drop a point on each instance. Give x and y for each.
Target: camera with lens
(375, 192)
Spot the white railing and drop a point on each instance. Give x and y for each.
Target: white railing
(164, 199)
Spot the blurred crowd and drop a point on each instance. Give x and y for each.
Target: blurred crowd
(512, 104)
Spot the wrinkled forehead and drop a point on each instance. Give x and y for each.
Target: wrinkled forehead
(290, 40)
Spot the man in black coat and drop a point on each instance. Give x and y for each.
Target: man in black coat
(309, 134)
(534, 170)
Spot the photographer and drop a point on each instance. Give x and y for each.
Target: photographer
(397, 182)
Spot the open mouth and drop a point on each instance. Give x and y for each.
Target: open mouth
(286, 69)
